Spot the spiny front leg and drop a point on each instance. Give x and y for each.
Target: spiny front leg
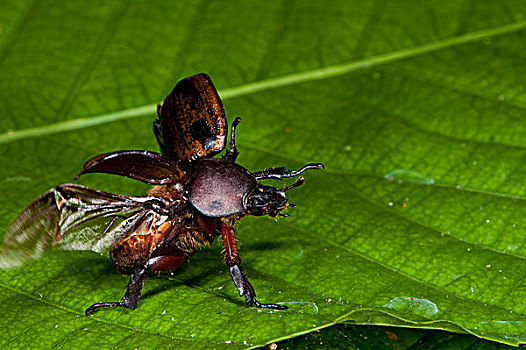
(283, 173)
(237, 273)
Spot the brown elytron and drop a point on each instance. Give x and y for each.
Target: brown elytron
(192, 121)
(195, 198)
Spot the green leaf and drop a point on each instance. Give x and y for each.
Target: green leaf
(416, 110)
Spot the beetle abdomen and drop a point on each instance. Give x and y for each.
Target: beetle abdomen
(136, 249)
(132, 253)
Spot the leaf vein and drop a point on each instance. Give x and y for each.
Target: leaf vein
(286, 80)
(63, 308)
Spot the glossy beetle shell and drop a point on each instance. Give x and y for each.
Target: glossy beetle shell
(219, 188)
(192, 122)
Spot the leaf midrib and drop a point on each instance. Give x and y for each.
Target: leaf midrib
(285, 80)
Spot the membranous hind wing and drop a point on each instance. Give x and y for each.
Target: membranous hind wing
(73, 217)
(192, 121)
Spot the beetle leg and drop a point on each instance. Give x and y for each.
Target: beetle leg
(133, 291)
(283, 173)
(232, 153)
(270, 173)
(131, 297)
(237, 273)
(163, 207)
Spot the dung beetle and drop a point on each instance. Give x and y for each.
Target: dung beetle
(194, 198)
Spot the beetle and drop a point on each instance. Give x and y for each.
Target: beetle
(194, 198)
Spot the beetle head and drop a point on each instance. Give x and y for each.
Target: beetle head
(267, 200)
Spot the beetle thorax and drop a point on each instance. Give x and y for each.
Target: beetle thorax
(219, 188)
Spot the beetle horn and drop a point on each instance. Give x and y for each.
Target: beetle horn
(300, 182)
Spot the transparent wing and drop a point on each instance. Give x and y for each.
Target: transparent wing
(73, 217)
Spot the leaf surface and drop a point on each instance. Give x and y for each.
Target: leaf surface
(416, 110)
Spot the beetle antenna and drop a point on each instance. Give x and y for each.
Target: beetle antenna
(284, 215)
(300, 182)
